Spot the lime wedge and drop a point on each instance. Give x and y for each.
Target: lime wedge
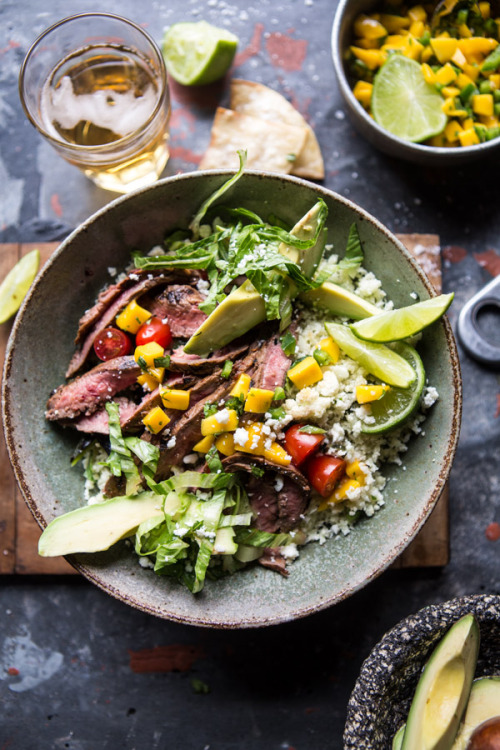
(404, 103)
(378, 359)
(398, 403)
(198, 53)
(404, 322)
(16, 284)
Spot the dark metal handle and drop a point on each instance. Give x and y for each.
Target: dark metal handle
(468, 329)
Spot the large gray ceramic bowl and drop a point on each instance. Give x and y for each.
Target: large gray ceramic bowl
(346, 12)
(381, 698)
(41, 346)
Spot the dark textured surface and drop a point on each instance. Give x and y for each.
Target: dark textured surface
(288, 686)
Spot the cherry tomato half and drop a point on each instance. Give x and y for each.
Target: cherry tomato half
(111, 343)
(324, 472)
(154, 330)
(301, 445)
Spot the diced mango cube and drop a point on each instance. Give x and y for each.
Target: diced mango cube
(438, 141)
(331, 347)
(344, 490)
(458, 58)
(306, 372)
(428, 73)
(148, 383)
(446, 74)
(468, 123)
(417, 28)
(394, 23)
(444, 49)
(472, 70)
(277, 454)
(367, 43)
(463, 80)
(490, 122)
(413, 48)
(417, 13)
(363, 92)
(259, 400)
(204, 445)
(452, 131)
(225, 443)
(175, 398)
(241, 387)
(483, 104)
(395, 41)
(484, 9)
(225, 420)
(476, 46)
(464, 32)
(372, 58)
(147, 353)
(367, 27)
(356, 470)
(494, 80)
(367, 393)
(157, 373)
(469, 137)
(251, 439)
(132, 317)
(426, 55)
(156, 420)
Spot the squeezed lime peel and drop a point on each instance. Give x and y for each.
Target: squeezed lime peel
(16, 284)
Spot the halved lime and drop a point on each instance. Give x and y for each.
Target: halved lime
(395, 325)
(404, 103)
(198, 53)
(398, 403)
(378, 359)
(16, 284)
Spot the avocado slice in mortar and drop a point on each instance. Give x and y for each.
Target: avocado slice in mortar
(244, 308)
(443, 690)
(94, 528)
(484, 704)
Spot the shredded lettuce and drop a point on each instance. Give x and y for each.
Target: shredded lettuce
(354, 256)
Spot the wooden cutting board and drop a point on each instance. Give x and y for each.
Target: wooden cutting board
(19, 532)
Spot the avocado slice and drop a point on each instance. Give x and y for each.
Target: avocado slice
(443, 689)
(398, 738)
(244, 308)
(94, 528)
(339, 301)
(484, 704)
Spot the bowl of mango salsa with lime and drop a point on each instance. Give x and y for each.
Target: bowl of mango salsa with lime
(422, 81)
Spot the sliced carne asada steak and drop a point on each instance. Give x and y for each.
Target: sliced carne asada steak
(279, 497)
(274, 560)
(273, 365)
(142, 282)
(99, 421)
(134, 423)
(179, 303)
(86, 393)
(182, 362)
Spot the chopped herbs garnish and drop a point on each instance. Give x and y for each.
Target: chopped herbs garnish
(209, 409)
(227, 369)
(288, 344)
(279, 394)
(278, 413)
(142, 364)
(235, 402)
(257, 471)
(322, 357)
(213, 461)
(162, 361)
(311, 429)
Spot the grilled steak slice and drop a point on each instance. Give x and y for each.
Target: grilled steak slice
(279, 497)
(103, 313)
(182, 362)
(180, 304)
(274, 560)
(272, 366)
(98, 421)
(86, 393)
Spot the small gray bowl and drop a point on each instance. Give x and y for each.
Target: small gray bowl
(347, 10)
(381, 698)
(42, 344)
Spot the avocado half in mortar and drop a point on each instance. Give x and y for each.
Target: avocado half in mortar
(483, 707)
(443, 690)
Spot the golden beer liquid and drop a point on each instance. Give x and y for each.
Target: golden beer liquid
(143, 155)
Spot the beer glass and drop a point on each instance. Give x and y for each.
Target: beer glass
(95, 86)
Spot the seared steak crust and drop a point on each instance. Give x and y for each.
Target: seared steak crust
(180, 304)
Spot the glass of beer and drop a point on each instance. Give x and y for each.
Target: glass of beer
(95, 86)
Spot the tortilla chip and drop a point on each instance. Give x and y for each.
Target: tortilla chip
(258, 100)
(268, 144)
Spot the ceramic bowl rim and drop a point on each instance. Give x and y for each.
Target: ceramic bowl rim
(8, 409)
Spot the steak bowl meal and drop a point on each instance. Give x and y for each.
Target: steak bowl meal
(259, 409)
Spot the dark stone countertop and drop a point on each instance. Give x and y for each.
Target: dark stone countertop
(79, 684)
